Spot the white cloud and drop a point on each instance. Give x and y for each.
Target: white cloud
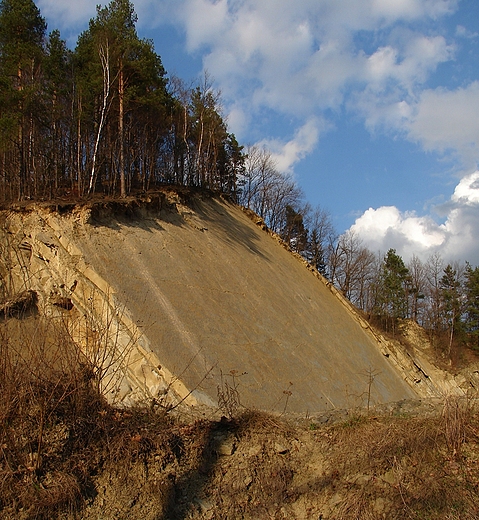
(456, 239)
(386, 227)
(462, 32)
(238, 120)
(447, 120)
(409, 66)
(286, 154)
(394, 77)
(66, 14)
(303, 56)
(467, 191)
(205, 21)
(410, 9)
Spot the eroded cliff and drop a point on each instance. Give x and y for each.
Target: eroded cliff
(185, 297)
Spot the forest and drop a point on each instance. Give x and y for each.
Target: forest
(104, 119)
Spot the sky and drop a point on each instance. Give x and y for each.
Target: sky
(372, 105)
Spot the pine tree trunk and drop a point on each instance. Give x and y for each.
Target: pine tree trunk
(121, 131)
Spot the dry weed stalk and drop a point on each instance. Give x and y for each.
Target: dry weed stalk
(356, 505)
(229, 401)
(457, 416)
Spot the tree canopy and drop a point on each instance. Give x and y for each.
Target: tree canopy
(101, 118)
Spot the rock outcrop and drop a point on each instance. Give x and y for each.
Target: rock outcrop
(184, 298)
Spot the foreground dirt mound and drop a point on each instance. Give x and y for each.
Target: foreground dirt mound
(257, 466)
(203, 303)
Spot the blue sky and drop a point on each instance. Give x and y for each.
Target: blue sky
(373, 105)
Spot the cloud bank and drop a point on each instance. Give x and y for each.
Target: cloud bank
(372, 58)
(455, 239)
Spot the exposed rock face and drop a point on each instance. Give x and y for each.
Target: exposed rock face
(19, 304)
(191, 300)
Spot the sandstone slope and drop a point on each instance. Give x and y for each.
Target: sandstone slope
(205, 302)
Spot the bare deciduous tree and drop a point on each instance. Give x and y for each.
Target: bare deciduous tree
(351, 268)
(266, 190)
(417, 272)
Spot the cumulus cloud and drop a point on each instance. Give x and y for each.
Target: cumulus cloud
(394, 78)
(455, 239)
(386, 227)
(302, 57)
(286, 154)
(205, 21)
(467, 191)
(67, 14)
(445, 120)
(409, 66)
(306, 59)
(410, 9)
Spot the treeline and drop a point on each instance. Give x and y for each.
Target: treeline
(102, 117)
(441, 297)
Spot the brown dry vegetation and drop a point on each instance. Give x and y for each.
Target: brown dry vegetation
(66, 454)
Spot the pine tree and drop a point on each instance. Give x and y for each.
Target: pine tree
(451, 302)
(471, 287)
(294, 233)
(22, 34)
(58, 92)
(393, 292)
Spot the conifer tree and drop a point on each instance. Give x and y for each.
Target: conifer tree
(451, 302)
(393, 293)
(471, 287)
(294, 232)
(22, 33)
(57, 92)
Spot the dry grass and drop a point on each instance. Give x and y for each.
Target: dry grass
(65, 453)
(418, 463)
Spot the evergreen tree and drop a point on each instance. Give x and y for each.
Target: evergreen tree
(471, 287)
(393, 293)
(321, 237)
(232, 165)
(317, 252)
(294, 233)
(58, 92)
(451, 302)
(22, 34)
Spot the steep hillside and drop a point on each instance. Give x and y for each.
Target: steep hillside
(184, 297)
